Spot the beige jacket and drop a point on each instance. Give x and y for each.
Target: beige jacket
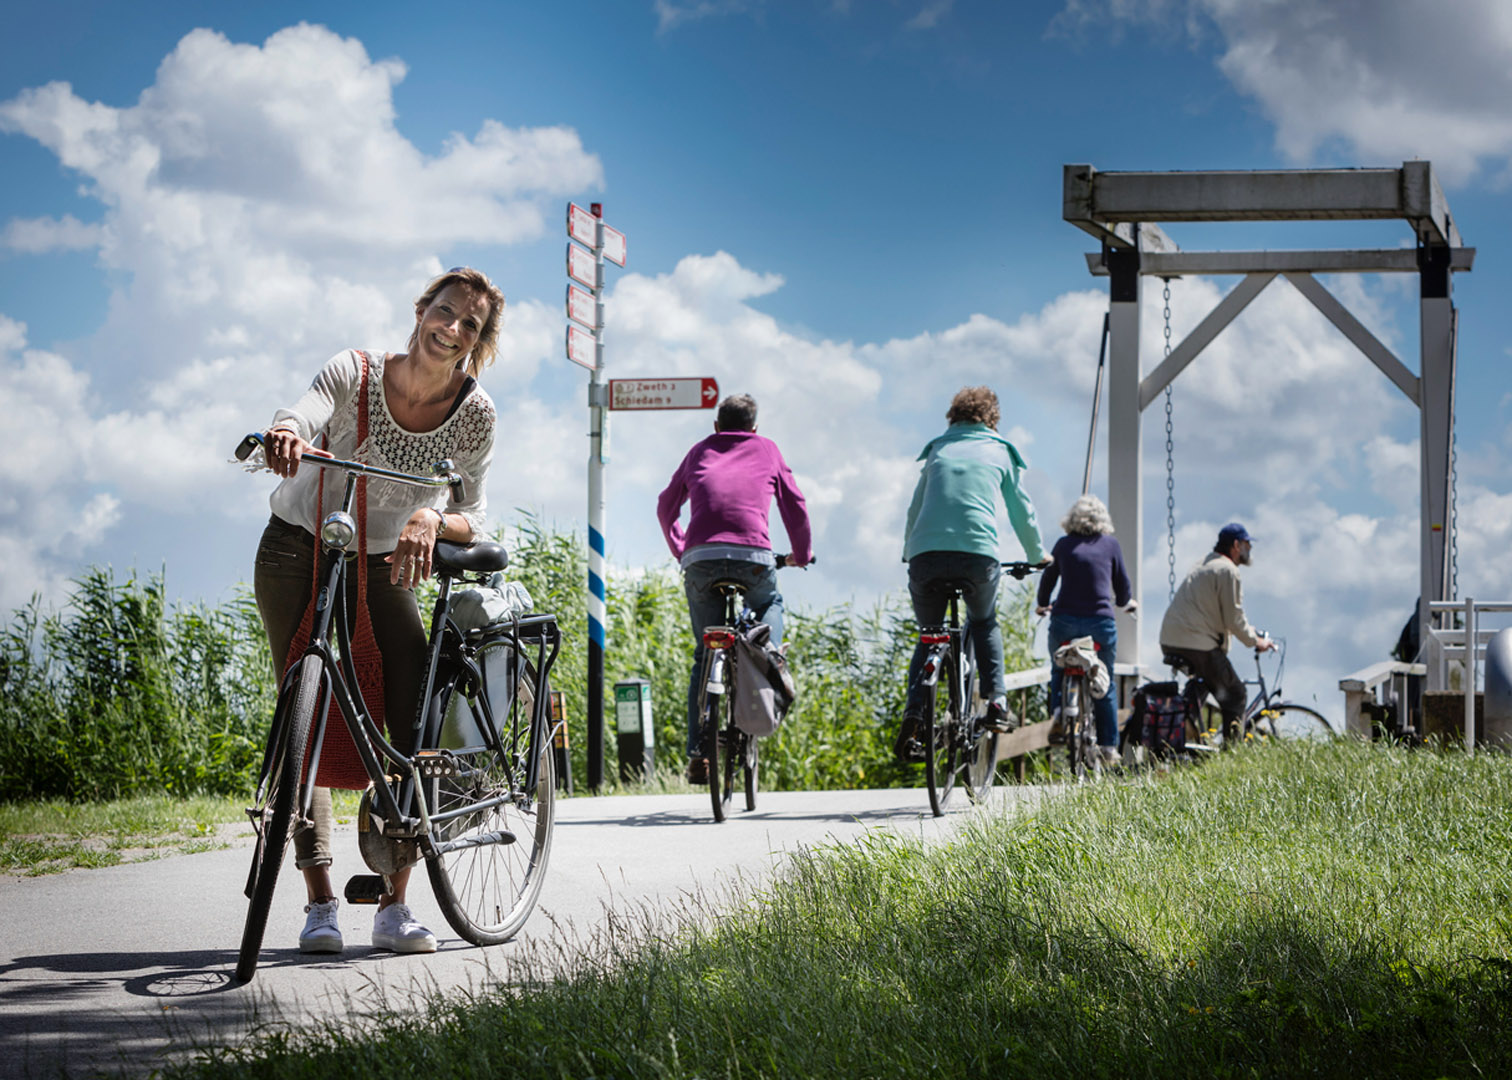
(1207, 608)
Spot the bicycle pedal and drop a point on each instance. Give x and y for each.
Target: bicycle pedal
(364, 888)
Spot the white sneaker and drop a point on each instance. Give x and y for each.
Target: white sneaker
(321, 932)
(1110, 756)
(395, 927)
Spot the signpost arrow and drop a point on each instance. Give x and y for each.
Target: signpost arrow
(697, 393)
(580, 307)
(580, 348)
(580, 226)
(614, 246)
(582, 266)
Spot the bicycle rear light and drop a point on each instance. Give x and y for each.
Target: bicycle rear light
(339, 529)
(719, 639)
(933, 637)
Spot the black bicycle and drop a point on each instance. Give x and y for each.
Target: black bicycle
(958, 745)
(1078, 721)
(476, 798)
(1266, 716)
(726, 747)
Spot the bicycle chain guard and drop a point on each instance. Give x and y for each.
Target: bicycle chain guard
(383, 854)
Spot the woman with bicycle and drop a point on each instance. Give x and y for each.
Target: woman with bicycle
(401, 411)
(951, 539)
(1089, 566)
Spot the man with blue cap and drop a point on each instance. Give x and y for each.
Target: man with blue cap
(1207, 608)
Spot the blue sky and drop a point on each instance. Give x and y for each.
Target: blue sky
(849, 209)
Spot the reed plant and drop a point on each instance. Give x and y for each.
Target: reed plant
(119, 694)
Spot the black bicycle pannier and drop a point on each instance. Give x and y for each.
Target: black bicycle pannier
(1159, 721)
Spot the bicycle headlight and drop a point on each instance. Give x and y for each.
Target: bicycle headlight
(339, 529)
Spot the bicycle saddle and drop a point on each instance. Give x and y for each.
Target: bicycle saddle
(483, 557)
(1176, 663)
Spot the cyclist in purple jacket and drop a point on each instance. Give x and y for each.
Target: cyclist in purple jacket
(1089, 565)
(728, 481)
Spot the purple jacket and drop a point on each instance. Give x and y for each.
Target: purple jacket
(729, 480)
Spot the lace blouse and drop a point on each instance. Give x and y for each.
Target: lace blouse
(330, 407)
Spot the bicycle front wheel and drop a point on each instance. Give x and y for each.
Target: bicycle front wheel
(1287, 721)
(489, 873)
(277, 799)
(941, 752)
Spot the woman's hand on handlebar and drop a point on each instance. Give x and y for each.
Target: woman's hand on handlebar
(410, 561)
(282, 449)
(1042, 610)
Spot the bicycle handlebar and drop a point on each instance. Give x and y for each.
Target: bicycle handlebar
(445, 476)
(1021, 570)
(786, 559)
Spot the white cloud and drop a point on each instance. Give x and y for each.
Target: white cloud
(669, 16)
(261, 210)
(1388, 80)
(929, 15)
(33, 236)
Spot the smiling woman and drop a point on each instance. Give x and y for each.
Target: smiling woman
(405, 412)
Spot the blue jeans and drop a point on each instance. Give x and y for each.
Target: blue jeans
(931, 574)
(1103, 630)
(706, 608)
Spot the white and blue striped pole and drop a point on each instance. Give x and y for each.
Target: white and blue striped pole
(598, 457)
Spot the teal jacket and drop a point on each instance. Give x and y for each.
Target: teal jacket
(954, 506)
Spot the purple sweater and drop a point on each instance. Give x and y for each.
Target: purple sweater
(729, 480)
(1092, 578)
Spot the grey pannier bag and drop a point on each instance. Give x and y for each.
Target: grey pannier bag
(764, 689)
(477, 611)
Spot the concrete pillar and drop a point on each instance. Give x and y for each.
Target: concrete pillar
(1436, 428)
(1125, 478)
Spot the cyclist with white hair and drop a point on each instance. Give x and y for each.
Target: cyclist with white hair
(1088, 563)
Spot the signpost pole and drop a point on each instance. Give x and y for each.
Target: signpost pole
(598, 457)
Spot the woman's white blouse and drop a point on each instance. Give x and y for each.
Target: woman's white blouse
(330, 407)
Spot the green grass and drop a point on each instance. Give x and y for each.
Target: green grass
(51, 836)
(1316, 910)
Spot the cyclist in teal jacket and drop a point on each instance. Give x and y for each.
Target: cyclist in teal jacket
(951, 539)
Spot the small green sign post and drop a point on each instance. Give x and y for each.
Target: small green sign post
(634, 730)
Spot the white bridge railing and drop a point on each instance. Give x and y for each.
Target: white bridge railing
(1444, 646)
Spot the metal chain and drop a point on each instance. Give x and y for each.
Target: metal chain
(1170, 457)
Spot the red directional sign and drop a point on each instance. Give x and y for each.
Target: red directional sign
(582, 266)
(581, 225)
(614, 246)
(580, 348)
(580, 307)
(663, 393)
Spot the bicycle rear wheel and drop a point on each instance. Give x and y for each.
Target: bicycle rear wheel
(277, 799)
(979, 745)
(717, 748)
(1287, 721)
(1082, 753)
(750, 765)
(941, 749)
(487, 887)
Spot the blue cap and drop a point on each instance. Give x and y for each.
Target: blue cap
(1231, 532)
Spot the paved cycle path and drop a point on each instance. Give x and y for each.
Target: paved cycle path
(126, 965)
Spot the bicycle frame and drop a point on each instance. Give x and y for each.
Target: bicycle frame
(407, 812)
